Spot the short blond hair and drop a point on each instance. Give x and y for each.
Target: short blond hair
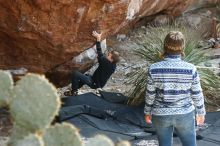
(174, 43)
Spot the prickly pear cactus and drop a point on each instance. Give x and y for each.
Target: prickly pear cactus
(18, 133)
(6, 85)
(31, 140)
(123, 143)
(100, 140)
(35, 103)
(62, 135)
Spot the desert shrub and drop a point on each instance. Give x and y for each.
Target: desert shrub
(150, 45)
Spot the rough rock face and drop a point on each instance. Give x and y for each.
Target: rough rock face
(43, 35)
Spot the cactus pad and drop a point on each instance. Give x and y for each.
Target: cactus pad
(62, 135)
(100, 140)
(123, 143)
(6, 85)
(35, 103)
(18, 133)
(31, 140)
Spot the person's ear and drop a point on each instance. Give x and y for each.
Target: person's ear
(183, 54)
(161, 55)
(110, 57)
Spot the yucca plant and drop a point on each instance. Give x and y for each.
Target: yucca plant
(150, 45)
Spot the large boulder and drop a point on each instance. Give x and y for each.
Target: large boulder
(44, 35)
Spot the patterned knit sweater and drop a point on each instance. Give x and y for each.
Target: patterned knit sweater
(173, 87)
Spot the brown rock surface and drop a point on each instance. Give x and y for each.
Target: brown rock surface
(43, 35)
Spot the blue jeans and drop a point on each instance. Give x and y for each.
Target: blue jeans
(79, 79)
(183, 124)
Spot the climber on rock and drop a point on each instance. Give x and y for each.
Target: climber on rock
(106, 67)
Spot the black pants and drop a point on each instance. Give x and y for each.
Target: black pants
(79, 79)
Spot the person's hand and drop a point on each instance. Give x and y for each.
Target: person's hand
(148, 119)
(200, 119)
(97, 35)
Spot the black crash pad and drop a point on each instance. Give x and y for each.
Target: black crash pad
(96, 115)
(114, 97)
(94, 105)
